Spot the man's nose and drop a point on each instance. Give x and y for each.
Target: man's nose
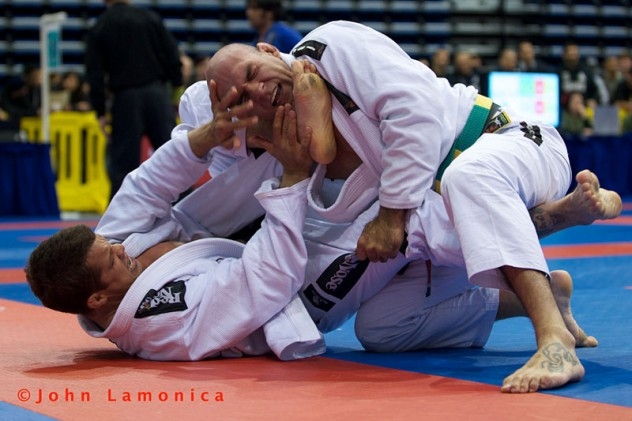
(119, 249)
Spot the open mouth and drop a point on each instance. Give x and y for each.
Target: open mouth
(275, 95)
(131, 264)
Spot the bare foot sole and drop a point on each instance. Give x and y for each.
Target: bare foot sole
(593, 202)
(550, 367)
(562, 287)
(312, 102)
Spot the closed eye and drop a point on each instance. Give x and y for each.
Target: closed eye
(250, 74)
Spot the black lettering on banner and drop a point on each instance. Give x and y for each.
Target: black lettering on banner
(341, 275)
(531, 132)
(167, 299)
(317, 300)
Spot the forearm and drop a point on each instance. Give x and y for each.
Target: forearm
(202, 140)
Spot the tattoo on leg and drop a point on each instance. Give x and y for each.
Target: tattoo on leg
(556, 355)
(545, 223)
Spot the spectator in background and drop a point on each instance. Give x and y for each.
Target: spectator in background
(188, 78)
(527, 60)
(575, 76)
(21, 97)
(623, 99)
(130, 48)
(507, 62)
(611, 75)
(440, 62)
(265, 17)
(625, 61)
(575, 120)
(78, 92)
(188, 71)
(200, 68)
(465, 70)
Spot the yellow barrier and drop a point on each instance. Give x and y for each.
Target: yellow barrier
(78, 157)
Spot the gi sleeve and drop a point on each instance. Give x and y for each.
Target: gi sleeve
(240, 295)
(400, 95)
(144, 202)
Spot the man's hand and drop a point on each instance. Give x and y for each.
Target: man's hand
(382, 237)
(289, 147)
(221, 130)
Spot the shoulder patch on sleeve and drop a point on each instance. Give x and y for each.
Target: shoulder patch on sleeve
(310, 48)
(315, 50)
(167, 299)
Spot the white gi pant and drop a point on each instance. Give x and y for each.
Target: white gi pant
(393, 311)
(402, 318)
(488, 190)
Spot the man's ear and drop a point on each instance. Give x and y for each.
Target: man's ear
(264, 47)
(96, 300)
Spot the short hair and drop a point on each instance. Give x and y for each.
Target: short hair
(274, 6)
(57, 271)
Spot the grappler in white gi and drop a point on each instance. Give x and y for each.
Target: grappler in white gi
(331, 230)
(141, 216)
(206, 298)
(407, 126)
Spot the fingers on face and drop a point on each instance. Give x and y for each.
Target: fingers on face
(289, 125)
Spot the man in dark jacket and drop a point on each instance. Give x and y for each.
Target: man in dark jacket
(131, 54)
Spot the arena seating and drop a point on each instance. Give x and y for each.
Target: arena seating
(202, 26)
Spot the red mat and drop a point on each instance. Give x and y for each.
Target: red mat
(51, 367)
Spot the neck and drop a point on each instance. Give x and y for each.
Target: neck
(152, 254)
(103, 316)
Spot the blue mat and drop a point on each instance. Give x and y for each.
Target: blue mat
(601, 303)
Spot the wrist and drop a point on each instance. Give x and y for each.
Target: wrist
(199, 140)
(289, 179)
(393, 216)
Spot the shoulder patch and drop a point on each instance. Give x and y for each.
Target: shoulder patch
(310, 48)
(167, 299)
(315, 50)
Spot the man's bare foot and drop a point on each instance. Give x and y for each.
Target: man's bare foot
(562, 287)
(553, 365)
(312, 102)
(592, 202)
(586, 204)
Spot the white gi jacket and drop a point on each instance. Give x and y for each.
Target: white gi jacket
(206, 299)
(401, 138)
(378, 92)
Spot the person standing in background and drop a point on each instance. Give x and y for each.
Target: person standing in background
(265, 17)
(575, 76)
(131, 54)
(611, 75)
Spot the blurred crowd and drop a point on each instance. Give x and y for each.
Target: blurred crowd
(585, 82)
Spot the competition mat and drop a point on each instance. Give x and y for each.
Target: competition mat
(51, 370)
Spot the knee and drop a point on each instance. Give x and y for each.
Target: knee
(374, 334)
